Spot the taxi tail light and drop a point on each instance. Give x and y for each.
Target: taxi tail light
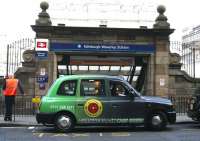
(40, 104)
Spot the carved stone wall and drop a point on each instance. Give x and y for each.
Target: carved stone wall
(180, 83)
(26, 73)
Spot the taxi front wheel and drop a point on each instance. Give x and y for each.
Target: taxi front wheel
(64, 122)
(157, 121)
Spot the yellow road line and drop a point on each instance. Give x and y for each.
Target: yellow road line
(120, 134)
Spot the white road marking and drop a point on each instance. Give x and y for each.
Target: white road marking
(60, 135)
(80, 135)
(11, 127)
(31, 127)
(100, 134)
(41, 135)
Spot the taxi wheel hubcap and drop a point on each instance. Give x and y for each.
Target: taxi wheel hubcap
(64, 122)
(156, 120)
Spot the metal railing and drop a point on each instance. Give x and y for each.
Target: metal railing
(14, 53)
(23, 106)
(180, 103)
(190, 55)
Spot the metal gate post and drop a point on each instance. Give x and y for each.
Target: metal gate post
(14, 109)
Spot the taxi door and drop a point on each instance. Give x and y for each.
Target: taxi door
(93, 104)
(125, 108)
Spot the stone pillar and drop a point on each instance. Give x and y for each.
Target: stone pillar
(50, 67)
(161, 67)
(47, 65)
(150, 76)
(161, 62)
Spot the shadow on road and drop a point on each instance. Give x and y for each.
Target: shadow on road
(103, 129)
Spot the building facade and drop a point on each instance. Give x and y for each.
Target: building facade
(191, 51)
(99, 50)
(140, 55)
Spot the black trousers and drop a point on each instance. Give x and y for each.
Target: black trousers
(9, 102)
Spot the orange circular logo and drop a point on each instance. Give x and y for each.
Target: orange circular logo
(93, 108)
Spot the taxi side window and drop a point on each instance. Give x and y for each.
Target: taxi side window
(117, 89)
(92, 87)
(67, 88)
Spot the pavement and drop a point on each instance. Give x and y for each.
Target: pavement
(28, 121)
(19, 121)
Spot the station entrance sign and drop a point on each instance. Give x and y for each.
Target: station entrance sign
(42, 48)
(143, 48)
(42, 45)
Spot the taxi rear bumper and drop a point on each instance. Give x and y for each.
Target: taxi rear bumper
(45, 118)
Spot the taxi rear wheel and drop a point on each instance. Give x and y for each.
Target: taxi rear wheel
(64, 122)
(157, 121)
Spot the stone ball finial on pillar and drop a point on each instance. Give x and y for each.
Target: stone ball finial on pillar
(44, 18)
(161, 20)
(161, 9)
(44, 5)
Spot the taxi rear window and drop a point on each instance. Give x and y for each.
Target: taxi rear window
(92, 87)
(67, 88)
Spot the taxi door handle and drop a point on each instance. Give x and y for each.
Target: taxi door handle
(80, 104)
(115, 106)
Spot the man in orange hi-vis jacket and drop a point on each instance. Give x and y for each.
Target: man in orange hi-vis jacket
(10, 87)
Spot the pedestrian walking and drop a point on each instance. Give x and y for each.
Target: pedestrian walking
(10, 86)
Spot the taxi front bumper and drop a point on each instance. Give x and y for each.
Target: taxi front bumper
(171, 116)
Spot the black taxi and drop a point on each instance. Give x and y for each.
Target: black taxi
(101, 100)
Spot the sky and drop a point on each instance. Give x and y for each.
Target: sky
(17, 15)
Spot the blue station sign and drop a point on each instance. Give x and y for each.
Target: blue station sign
(42, 54)
(141, 48)
(42, 79)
